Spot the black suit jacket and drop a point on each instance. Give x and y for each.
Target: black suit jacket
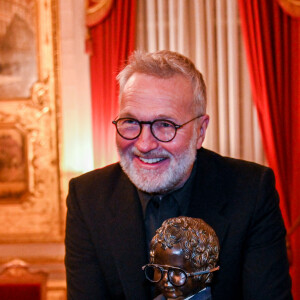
(106, 244)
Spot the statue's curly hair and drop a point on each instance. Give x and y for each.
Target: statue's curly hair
(198, 241)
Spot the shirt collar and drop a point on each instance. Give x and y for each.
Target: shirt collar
(181, 195)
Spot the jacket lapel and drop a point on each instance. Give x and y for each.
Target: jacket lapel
(208, 198)
(127, 238)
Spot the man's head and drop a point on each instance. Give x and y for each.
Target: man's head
(162, 85)
(189, 244)
(166, 64)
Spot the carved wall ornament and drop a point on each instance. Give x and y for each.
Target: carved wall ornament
(30, 195)
(97, 10)
(292, 7)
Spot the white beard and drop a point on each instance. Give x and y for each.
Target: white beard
(155, 181)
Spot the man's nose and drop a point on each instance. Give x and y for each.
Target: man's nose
(146, 141)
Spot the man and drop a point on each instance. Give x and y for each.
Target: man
(164, 172)
(183, 256)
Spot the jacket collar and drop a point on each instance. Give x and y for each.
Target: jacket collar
(208, 198)
(127, 238)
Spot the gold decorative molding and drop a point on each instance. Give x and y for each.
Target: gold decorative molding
(292, 7)
(31, 206)
(97, 10)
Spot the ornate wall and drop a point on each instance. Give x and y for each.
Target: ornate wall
(31, 203)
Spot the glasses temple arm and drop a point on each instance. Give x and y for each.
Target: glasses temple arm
(205, 272)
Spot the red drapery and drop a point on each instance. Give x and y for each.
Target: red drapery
(272, 40)
(112, 41)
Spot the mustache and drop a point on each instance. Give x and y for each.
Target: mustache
(151, 154)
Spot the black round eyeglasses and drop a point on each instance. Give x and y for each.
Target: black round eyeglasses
(176, 276)
(162, 130)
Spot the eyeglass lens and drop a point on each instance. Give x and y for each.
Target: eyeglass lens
(176, 276)
(163, 130)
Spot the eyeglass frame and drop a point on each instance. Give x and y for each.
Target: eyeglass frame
(176, 126)
(187, 274)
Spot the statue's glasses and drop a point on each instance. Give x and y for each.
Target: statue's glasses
(176, 276)
(162, 130)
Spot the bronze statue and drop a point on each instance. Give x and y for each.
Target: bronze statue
(183, 254)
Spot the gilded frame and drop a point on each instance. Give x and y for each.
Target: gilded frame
(18, 48)
(14, 177)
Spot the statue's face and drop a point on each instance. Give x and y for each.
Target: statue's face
(175, 257)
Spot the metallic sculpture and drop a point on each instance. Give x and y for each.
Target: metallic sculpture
(183, 256)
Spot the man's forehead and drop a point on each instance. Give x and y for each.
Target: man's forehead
(147, 76)
(143, 92)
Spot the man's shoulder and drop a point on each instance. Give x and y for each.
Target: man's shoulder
(105, 171)
(227, 171)
(210, 159)
(99, 178)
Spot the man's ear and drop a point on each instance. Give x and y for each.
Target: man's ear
(204, 120)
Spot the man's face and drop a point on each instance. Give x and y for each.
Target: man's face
(174, 257)
(154, 166)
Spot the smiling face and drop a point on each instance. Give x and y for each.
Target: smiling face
(175, 257)
(154, 166)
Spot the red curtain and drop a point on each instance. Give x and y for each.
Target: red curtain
(272, 40)
(112, 41)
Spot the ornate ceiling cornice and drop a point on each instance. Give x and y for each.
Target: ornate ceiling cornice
(97, 10)
(292, 7)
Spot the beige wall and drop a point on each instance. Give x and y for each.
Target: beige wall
(77, 152)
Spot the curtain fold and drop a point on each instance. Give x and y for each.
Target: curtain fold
(112, 41)
(272, 40)
(208, 32)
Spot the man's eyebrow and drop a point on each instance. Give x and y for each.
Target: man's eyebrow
(164, 117)
(126, 115)
(157, 117)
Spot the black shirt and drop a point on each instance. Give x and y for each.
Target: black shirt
(176, 204)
